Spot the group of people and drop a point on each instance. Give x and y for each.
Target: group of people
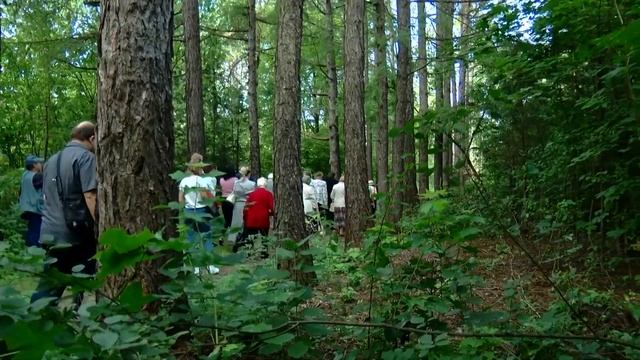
(247, 205)
(58, 202)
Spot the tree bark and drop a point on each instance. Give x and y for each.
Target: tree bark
(382, 148)
(444, 10)
(423, 89)
(410, 195)
(193, 91)
(332, 119)
(367, 122)
(214, 118)
(289, 222)
(357, 193)
(254, 129)
(465, 18)
(135, 125)
(447, 8)
(403, 145)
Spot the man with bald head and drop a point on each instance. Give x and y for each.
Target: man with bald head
(70, 184)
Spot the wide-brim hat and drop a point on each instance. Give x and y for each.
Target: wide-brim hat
(196, 161)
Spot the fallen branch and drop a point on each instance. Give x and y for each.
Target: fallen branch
(291, 325)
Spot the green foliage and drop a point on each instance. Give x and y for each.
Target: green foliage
(561, 143)
(422, 279)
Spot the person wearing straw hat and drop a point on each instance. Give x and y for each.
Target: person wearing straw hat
(241, 190)
(194, 192)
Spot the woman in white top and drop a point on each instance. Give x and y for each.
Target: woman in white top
(241, 189)
(196, 193)
(310, 201)
(338, 206)
(309, 196)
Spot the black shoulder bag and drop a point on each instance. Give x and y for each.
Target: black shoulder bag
(76, 213)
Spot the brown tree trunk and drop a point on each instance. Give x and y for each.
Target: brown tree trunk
(135, 125)
(383, 93)
(465, 18)
(410, 195)
(369, 140)
(289, 222)
(332, 118)
(193, 91)
(254, 129)
(423, 88)
(447, 33)
(403, 145)
(368, 123)
(214, 118)
(444, 17)
(357, 193)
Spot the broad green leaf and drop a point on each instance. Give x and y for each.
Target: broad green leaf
(106, 339)
(121, 242)
(280, 339)
(467, 233)
(282, 253)
(298, 349)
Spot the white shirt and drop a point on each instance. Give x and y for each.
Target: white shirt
(309, 199)
(338, 195)
(321, 191)
(193, 188)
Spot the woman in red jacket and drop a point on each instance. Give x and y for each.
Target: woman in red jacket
(257, 210)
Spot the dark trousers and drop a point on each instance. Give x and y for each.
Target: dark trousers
(66, 259)
(246, 238)
(34, 221)
(227, 212)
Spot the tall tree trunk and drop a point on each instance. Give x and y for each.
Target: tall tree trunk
(357, 196)
(403, 146)
(135, 124)
(215, 154)
(410, 195)
(332, 120)
(236, 141)
(47, 118)
(289, 223)
(368, 123)
(444, 13)
(254, 128)
(423, 89)
(382, 149)
(465, 18)
(447, 8)
(397, 149)
(193, 92)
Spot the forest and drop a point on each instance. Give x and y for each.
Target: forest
(489, 149)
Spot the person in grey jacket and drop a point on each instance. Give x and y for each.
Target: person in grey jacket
(31, 201)
(241, 190)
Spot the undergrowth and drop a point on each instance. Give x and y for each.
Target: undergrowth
(404, 294)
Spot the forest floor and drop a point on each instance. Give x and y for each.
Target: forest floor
(497, 264)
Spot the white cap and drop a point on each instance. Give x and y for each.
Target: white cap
(270, 176)
(262, 182)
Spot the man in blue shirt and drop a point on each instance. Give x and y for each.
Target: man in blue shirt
(31, 201)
